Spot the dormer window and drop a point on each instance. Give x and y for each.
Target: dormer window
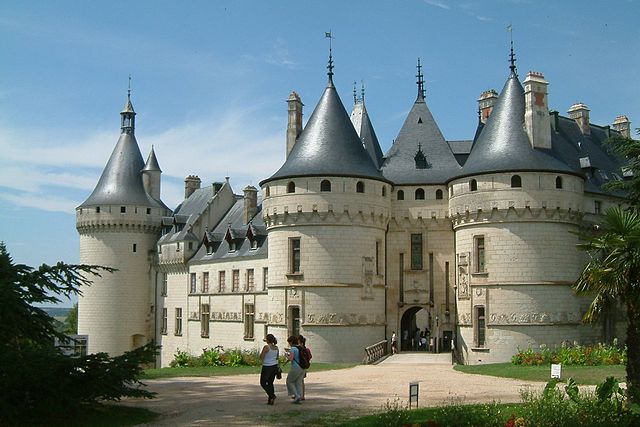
(325, 185)
(209, 249)
(420, 159)
(473, 185)
(291, 187)
(360, 187)
(254, 244)
(516, 181)
(232, 246)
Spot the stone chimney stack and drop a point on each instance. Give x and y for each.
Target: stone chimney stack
(250, 203)
(294, 126)
(580, 113)
(537, 121)
(191, 184)
(486, 102)
(622, 125)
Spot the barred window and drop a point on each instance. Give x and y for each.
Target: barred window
(205, 282)
(221, 281)
(192, 281)
(204, 320)
(165, 282)
(178, 329)
(250, 283)
(163, 329)
(235, 280)
(249, 316)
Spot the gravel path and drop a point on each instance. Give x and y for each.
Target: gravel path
(239, 400)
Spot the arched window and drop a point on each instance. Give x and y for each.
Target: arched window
(384, 191)
(360, 187)
(516, 181)
(473, 185)
(438, 194)
(325, 185)
(291, 187)
(558, 182)
(419, 194)
(400, 195)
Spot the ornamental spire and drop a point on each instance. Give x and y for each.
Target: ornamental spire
(330, 64)
(420, 80)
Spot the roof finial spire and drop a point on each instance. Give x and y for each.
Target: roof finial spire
(512, 55)
(129, 89)
(420, 80)
(330, 65)
(362, 89)
(355, 96)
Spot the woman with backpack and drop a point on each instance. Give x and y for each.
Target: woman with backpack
(306, 352)
(296, 373)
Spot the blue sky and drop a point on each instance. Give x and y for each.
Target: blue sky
(210, 81)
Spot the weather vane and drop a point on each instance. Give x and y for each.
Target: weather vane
(512, 55)
(330, 66)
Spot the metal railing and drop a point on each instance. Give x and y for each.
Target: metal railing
(376, 351)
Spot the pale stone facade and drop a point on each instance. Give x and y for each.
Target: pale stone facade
(347, 252)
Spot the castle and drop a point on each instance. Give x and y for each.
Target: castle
(471, 239)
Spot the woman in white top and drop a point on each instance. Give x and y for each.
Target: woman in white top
(269, 357)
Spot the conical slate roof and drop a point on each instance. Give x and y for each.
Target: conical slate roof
(328, 145)
(121, 180)
(152, 162)
(364, 128)
(503, 144)
(420, 134)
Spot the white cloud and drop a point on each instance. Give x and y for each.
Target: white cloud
(40, 201)
(437, 4)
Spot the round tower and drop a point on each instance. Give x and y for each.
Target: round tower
(514, 208)
(119, 225)
(326, 211)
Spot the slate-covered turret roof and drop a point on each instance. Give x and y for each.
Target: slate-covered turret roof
(152, 162)
(420, 134)
(364, 128)
(503, 144)
(328, 145)
(121, 179)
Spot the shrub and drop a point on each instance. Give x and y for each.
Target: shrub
(600, 354)
(394, 413)
(182, 359)
(211, 357)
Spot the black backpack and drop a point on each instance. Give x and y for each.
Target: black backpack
(305, 357)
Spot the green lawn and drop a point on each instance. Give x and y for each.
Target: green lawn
(212, 371)
(98, 415)
(581, 374)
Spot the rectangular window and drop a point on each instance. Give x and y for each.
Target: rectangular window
(480, 327)
(135, 247)
(205, 282)
(249, 316)
(163, 329)
(294, 255)
(148, 211)
(123, 209)
(221, 281)
(377, 256)
(204, 321)
(446, 286)
(235, 280)
(416, 251)
(431, 278)
(250, 284)
(597, 207)
(401, 278)
(192, 282)
(265, 278)
(178, 330)
(479, 254)
(165, 282)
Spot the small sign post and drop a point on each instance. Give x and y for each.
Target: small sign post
(556, 370)
(413, 393)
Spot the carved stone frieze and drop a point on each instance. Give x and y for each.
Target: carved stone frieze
(343, 319)
(520, 318)
(226, 316)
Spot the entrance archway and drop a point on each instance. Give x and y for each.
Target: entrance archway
(414, 320)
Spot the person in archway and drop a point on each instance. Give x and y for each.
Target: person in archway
(394, 343)
(416, 341)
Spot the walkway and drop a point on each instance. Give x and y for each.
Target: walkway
(239, 400)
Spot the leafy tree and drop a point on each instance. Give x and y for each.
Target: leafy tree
(71, 322)
(629, 149)
(38, 383)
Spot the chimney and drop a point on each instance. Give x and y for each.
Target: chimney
(580, 113)
(486, 102)
(250, 203)
(191, 184)
(537, 121)
(622, 125)
(294, 126)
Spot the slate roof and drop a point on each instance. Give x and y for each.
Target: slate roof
(232, 228)
(121, 180)
(364, 128)
(186, 214)
(420, 130)
(328, 145)
(503, 144)
(152, 162)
